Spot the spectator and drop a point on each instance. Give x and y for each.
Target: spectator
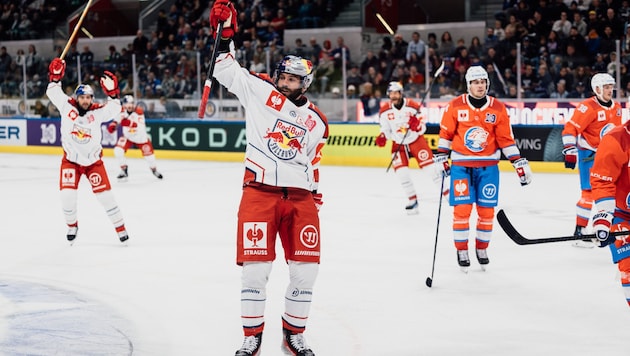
(279, 22)
(371, 104)
(139, 44)
(562, 26)
(447, 47)
(338, 51)
(351, 92)
(579, 92)
(608, 41)
(560, 92)
(113, 58)
(536, 26)
(300, 48)
(315, 49)
(416, 45)
(499, 31)
(40, 109)
(33, 61)
(399, 49)
(580, 24)
(354, 76)
(5, 63)
(476, 48)
(370, 61)
(432, 38)
(86, 57)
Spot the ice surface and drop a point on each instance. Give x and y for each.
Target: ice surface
(175, 289)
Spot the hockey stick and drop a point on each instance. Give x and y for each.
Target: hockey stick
(429, 281)
(513, 234)
(75, 30)
(435, 75)
(208, 83)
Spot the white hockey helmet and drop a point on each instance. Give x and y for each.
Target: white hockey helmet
(127, 99)
(394, 86)
(599, 80)
(474, 73)
(83, 89)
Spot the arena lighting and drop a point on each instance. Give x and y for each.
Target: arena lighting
(382, 20)
(87, 33)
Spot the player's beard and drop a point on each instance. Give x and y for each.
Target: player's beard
(292, 95)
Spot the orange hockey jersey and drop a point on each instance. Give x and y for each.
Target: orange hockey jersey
(589, 123)
(474, 136)
(610, 176)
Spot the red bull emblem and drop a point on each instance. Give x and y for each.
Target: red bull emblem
(285, 140)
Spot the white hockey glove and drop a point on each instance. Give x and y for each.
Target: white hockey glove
(441, 164)
(601, 224)
(523, 170)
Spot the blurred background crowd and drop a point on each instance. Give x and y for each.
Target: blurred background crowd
(563, 43)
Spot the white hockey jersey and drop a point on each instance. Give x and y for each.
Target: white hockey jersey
(133, 126)
(395, 122)
(284, 141)
(81, 135)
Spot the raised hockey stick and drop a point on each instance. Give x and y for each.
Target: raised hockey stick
(429, 281)
(208, 83)
(75, 30)
(513, 234)
(435, 75)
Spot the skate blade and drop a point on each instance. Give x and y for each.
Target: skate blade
(483, 268)
(464, 269)
(413, 212)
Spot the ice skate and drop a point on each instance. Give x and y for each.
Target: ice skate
(251, 346)
(123, 236)
(294, 344)
(412, 207)
(482, 258)
(72, 233)
(157, 174)
(123, 173)
(585, 243)
(463, 260)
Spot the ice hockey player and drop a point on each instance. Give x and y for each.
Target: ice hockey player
(581, 135)
(134, 133)
(285, 136)
(81, 134)
(400, 121)
(475, 129)
(610, 182)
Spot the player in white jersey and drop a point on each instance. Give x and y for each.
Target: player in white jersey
(81, 134)
(400, 122)
(134, 133)
(285, 135)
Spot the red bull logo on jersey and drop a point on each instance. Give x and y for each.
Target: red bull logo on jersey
(276, 100)
(285, 140)
(476, 139)
(81, 135)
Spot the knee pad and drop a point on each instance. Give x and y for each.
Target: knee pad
(255, 274)
(303, 274)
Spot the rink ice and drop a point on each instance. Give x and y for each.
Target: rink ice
(175, 289)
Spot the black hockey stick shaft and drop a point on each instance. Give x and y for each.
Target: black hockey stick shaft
(429, 281)
(516, 236)
(208, 83)
(435, 75)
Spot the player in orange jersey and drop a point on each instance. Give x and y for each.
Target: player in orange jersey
(610, 182)
(134, 131)
(593, 118)
(475, 129)
(400, 122)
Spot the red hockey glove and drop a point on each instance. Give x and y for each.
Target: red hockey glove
(415, 124)
(109, 84)
(317, 197)
(112, 126)
(381, 140)
(570, 156)
(523, 170)
(56, 70)
(224, 11)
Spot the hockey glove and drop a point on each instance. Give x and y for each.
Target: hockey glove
(56, 70)
(570, 156)
(415, 124)
(112, 126)
(523, 170)
(224, 11)
(381, 140)
(441, 164)
(317, 197)
(109, 84)
(601, 224)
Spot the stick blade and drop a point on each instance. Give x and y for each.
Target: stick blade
(509, 229)
(429, 282)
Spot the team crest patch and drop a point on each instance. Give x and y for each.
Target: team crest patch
(491, 118)
(276, 100)
(80, 134)
(462, 115)
(461, 188)
(285, 139)
(476, 139)
(68, 177)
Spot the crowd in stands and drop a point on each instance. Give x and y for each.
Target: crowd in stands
(562, 45)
